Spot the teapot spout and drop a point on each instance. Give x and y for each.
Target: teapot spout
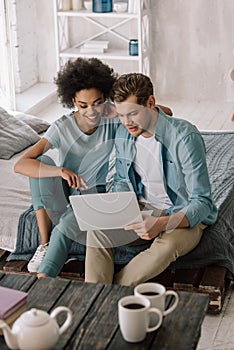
(9, 336)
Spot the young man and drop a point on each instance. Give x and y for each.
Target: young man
(163, 160)
(84, 141)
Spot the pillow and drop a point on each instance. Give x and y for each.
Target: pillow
(35, 123)
(15, 135)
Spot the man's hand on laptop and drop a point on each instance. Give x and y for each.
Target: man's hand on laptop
(74, 180)
(147, 229)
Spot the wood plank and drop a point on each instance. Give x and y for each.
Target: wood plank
(51, 288)
(71, 276)
(214, 276)
(103, 316)
(74, 270)
(169, 336)
(186, 279)
(3, 253)
(215, 284)
(118, 342)
(75, 266)
(166, 278)
(15, 266)
(80, 298)
(17, 281)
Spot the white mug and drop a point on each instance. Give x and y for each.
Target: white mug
(134, 317)
(156, 293)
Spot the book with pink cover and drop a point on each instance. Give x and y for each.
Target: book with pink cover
(10, 301)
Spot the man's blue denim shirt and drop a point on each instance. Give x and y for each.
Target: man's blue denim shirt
(184, 166)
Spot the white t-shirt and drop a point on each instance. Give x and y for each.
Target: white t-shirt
(148, 164)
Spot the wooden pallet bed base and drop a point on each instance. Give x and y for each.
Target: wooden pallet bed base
(211, 280)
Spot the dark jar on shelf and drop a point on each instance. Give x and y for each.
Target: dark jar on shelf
(133, 47)
(102, 6)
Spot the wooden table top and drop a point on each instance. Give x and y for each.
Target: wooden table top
(95, 314)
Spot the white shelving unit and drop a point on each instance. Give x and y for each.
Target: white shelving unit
(74, 28)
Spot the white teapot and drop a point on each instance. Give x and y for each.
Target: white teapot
(36, 329)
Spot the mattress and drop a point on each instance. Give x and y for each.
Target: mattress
(15, 199)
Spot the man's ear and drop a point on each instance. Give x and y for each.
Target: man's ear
(151, 102)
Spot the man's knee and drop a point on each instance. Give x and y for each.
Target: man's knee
(99, 239)
(179, 241)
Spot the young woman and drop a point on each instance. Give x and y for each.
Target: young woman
(84, 141)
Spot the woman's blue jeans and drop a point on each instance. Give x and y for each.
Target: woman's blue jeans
(52, 193)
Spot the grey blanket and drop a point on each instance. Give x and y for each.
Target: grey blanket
(217, 244)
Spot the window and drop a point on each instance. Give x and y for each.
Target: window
(7, 95)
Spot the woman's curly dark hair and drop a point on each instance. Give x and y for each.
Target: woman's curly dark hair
(83, 74)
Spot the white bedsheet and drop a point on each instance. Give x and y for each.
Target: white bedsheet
(15, 199)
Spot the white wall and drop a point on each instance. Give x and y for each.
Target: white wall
(193, 49)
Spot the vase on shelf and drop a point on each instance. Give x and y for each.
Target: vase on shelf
(77, 5)
(66, 5)
(102, 6)
(120, 5)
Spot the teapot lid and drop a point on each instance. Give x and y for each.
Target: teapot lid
(35, 317)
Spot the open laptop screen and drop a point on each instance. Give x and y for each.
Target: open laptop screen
(102, 211)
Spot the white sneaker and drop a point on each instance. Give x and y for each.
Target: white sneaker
(37, 258)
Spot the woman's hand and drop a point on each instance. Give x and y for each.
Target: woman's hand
(147, 229)
(74, 180)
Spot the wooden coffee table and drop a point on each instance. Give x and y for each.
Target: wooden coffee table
(95, 314)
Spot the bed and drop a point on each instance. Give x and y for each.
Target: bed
(19, 232)
(17, 132)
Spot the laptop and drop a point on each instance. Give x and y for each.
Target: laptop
(103, 211)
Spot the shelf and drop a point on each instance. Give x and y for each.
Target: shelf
(73, 29)
(109, 54)
(85, 13)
